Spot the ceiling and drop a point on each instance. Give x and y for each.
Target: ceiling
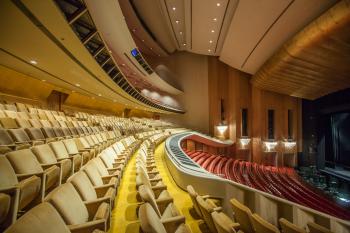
(315, 62)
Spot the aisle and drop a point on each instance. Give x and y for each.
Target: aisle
(124, 217)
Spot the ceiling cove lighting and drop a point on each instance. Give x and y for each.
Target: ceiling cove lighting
(33, 62)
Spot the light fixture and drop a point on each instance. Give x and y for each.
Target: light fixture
(134, 29)
(158, 55)
(218, 4)
(114, 101)
(215, 19)
(151, 48)
(43, 80)
(177, 21)
(77, 84)
(143, 40)
(222, 128)
(289, 145)
(180, 33)
(99, 95)
(174, 8)
(270, 146)
(123, 64)
(244, 142)
(33, 62)
(184, 44)
(210, 41)
(209, 50)
(212, 31)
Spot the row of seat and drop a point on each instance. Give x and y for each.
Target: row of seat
(158, 213)
(283, 182)
(245, 220)
(84, 202)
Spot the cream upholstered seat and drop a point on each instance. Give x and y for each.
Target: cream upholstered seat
(193, 194)
(151, 223)
(7, 144)
(88, 192)
(73, 150)
(288, 227)
(21, 137)
(8, 123)
(25, 164)
(106, 172)
(152, 172)
(223, 223)
(163, 205)
(263, 226)
(83, 145)
(46, 157)
(36, 134)
(49, 133)
(316, 228)
(23, 123)
(154, 179)
(118, 158)
(243, 216)
(207, 207)
(80, 216)
(110, 162)
(61, 153)
(96, 178)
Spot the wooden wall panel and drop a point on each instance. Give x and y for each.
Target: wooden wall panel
(239, 93)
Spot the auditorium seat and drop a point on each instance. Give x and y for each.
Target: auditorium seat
(163, 205)
(21, 137)
(288, 227)
(97, 179)
(46, 157)
(21, 107)
(224, 224)
(151, 223)
(49, 134)
(73, 150)
(88, 192)
(316, 228)
(26, 164)
(110, 161)
(23, 123)
(10, 107)
(28, 186)
(79, 215)
(8, 123)
(263, 226)
(61, 153)
(243, 216)
(7, 144)
(83, 145)
(142, 178)
(35, 134)
(35, 122)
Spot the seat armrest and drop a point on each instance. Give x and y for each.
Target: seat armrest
(211, 197)
(92, 206)
(160, 187)
(21, 177)
(171, 224)
(88, 227)
(9, 190)
(47, 166)
(101, 190)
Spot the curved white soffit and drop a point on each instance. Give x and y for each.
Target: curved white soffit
(110, 22)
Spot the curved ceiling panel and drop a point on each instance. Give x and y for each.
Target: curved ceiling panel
(315, 62)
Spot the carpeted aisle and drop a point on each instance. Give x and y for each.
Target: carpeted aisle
(124, 218)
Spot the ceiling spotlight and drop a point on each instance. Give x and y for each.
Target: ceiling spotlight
(99, 95)
(209, 50)
(43, 80)
(123, 64)
(33, 62)
(134, 29)
(77, 84)
(143, 40)
(184, 44)
(177, 21)
(215, 19)
(180, 33)
(151, 48)
(174, 8)
(210, 41)
(158, 55)
(218, 4)
(212, 31)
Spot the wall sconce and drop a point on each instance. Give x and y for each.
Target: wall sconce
(222, 128)
(270, 146)
(244, 143)
(289, 145)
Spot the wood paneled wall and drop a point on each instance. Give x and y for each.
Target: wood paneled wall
(235, 88)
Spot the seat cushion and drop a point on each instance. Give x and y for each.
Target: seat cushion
(29, 190)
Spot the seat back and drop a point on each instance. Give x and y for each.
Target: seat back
(44, 154)
(8, 123)
(150, 222)
(243, 216)
(100, 166)
(263, 226)
(288, 227)
(207, 207)
(48, 132)
(23, 123)
(92, 172)
(5, 138)
(69, 204)
(83, 185)
(35, 133)
(59, 149)
(315, 228)
(24, 162)
(19, 135)
(35, 123)
(147, 195)
(222, 223)
(8, 177)
(71, 146)
(193, 194)
(41, 219)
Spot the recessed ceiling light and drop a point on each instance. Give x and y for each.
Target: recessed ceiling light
(151, 48)
(209, 50)
(33, 62)
(184, 44)
(99, 95)
(210, 41)
(43, 80)
(143, 40)
(123, 64)
(218, 4)
(77, 84)
(177, 21)
(158, 55)
(215, 19)
(174, 8)
(212, 31)
(180, 33)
